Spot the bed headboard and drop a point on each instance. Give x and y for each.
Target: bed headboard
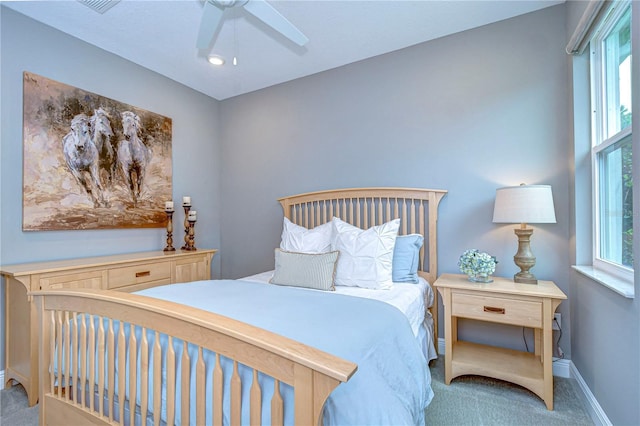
(366, 207)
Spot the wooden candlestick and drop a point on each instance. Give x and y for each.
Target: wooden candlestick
(186, 226)
(191, 236)
(169, 246)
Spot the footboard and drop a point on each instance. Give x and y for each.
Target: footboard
(108, 357)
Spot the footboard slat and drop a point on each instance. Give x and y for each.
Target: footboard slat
(171, 383)
(72, 355)
(236, 395)
(133, 374)
(217, 392)
(157, 379)
(121, 369)
(92, 362)
(111, 360)
(52, 350)
(83, 360)
(200, 388)
(184, 385)
(101, 349)
(277, 405)
(67, 357)
(97, 349)
(256, 400)
(144, 374)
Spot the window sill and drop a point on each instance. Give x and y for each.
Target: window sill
(620, 286)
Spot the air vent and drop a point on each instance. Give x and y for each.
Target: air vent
(100, 6)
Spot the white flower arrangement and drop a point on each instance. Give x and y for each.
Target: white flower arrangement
(472, 262)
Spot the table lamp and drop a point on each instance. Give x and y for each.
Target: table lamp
(524, 204)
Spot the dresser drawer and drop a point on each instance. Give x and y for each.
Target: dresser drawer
(92, 279)
(133, 275)
(497, 309)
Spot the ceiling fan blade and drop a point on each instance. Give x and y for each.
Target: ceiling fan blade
(211, 19)
(270, 16)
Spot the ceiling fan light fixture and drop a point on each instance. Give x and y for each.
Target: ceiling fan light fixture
(213, 14)
(216, 60)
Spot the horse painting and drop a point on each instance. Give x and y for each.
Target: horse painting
(91, 162)
(81, 156)
(133, 154)
(101, 135)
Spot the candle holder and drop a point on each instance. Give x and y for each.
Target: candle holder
(186, 226)
(191, 236)
(169, 246)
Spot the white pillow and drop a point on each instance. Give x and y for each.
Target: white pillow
(366, 257)
(299, 239)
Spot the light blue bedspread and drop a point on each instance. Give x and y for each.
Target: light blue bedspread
(392, 385)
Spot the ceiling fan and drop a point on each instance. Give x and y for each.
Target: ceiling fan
(214, 10)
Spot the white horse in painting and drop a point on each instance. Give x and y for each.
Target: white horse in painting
(132, 154)
(81, 156)
(101, 134)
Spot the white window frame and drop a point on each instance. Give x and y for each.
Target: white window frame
(598, 132)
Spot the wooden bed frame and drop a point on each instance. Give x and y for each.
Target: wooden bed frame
(312, 373)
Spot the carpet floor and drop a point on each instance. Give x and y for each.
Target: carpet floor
(469, 400)
(14, 410)
(475, 400)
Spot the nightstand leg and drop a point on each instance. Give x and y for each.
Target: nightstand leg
(537, 335)
(450, 324)
(547, 347)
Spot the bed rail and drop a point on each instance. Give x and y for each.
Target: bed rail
(82, 321)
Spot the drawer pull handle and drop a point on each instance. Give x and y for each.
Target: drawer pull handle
(494, 310)
(143, 274)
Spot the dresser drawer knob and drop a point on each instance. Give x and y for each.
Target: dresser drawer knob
(494, 310)
(143, 274)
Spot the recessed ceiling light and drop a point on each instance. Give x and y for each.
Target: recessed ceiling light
(216, 60)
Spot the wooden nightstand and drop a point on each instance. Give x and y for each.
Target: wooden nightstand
(506, 302)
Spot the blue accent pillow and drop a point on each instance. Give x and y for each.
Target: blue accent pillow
(406, 258)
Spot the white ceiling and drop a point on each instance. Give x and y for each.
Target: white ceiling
(161, 35)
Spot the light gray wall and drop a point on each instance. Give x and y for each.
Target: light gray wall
(605, 338)
(30, 46)
(469, 113)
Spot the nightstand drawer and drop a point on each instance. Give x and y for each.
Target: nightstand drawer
(497, 309)
(121, 277)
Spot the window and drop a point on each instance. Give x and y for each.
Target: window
(611, 142)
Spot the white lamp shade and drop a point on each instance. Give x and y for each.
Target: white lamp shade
(524, 204)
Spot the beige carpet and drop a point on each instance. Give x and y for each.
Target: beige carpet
(475, 400)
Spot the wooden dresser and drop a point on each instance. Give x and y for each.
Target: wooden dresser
(123, 272)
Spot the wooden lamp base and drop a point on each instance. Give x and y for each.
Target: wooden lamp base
(524, 258)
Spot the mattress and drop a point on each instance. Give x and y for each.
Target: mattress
(411, 299)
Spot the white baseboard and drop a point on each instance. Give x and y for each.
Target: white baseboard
(566, 369)
(595, 410)
(562, 368)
